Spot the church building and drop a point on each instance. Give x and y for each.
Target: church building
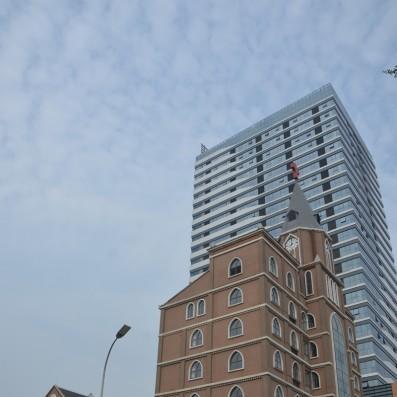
(266, 320)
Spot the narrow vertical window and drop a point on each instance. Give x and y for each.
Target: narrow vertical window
(201, 307)
(273, 268)
(278, 392)
(309, 282)
(295, 374)
(274, 296)
(311, 322)
(276, 329)
(190, 311)
(292, 312)
(235, 328)
(315, 378)
(277, 360)
(290, 281)
(196, 338)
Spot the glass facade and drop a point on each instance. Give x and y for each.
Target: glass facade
(245, 183)
(340, 354)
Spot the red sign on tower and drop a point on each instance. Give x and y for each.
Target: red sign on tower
(295, 170)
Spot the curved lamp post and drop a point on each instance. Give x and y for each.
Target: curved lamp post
(121, 332)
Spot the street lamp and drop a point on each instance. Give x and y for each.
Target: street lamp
(120, 333)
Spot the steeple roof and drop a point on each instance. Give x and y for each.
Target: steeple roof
(299, 214)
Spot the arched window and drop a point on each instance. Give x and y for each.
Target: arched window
(315, 378)
(304, 321)
(278, 392)
(356, 383)
(295, 372)
(311, 322)
(313, 351)
(340, 356)
(277, 360)
(274, 296)
(309, 282)
(236, 392)
(350, 335)
(196, 339)
(328, 255)
(196, 370)
(273, 268)
(276, 329)
(294, 341)
(236, 361)
(190, 311)
(201, 307)
(235, 328)
(235, 297)
(235, 267)
(290, 281)
(354, 358)
(195, 395)
(292, 311)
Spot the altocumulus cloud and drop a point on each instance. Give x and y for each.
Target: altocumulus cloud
(103, 107)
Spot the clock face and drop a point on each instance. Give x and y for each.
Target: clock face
(291, 244)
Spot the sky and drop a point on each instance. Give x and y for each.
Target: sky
(103, 106)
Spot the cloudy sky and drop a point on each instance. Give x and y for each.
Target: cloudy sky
(103, 106)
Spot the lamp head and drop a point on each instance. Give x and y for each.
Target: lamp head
(122, 331)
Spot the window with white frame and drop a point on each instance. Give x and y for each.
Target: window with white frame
(235, 267)
(236, 361)
(274, 296)
(295, 372)
(276, 328)
(196, 370)
(294, 341)
(235, 328)
(201, 307)
(235, 297)
(313, 350)
(277, 360)
(273, 267)
(292, 311)
(196, 338)
(290, 281)
(190, 311)
(278, 392)
(311, 322)
(308, 282)
(315, 380)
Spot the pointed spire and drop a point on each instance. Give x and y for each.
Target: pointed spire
(299, 214)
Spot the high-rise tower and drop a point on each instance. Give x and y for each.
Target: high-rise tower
(244, 183)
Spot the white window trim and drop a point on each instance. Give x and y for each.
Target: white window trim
(190, 369)
(233, 387)
(191, 338)
(242, 359)
(299, 371)
(292, 288)
(356, 383)
(194, 395)
(187, 310)
(205, 308)
(235, 304)
(228, 268)
(281, 332)
(311, 380)
(315, 344)
(350, 335)
(311, 276)
(297, 339)
(228, 328)
(281, 359)
(295, 309)
(314, 319)
(278, 296)
(275, 390)
(276, 266)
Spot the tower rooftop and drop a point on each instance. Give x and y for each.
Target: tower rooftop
(299, 214)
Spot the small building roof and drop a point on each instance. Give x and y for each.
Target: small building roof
(68, 393)
(299, 214)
